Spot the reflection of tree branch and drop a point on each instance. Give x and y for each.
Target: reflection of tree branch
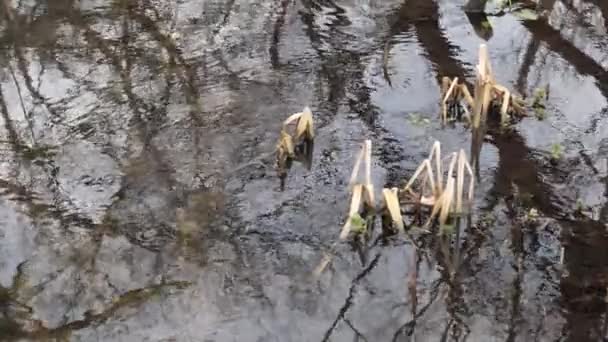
(276, 35)
(343, 72)
(408, 327)
(583, 64)
(23, 195)
(174, 55)
(528, 61)
(13, 136)
(27, 116)
(583, 287)
(358, 334)
(519, 254)
(348, 302)
(134, 297)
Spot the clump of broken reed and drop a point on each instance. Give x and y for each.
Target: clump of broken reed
(443, 193)
(488, 97)
(296, 142)
(435, 190)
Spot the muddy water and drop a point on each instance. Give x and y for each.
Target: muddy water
(138, 199)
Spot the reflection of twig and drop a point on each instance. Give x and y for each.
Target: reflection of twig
(276, 35)
(26, 116)
(13, 136)
(412, 323)
(349, 299)
(385, 57)
(132, 297)
(357, 333)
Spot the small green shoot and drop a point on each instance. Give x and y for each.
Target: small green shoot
(532, 214)
(446, 229)
(538, 103)
(526, 14)
(580, 207)
(540, 113)
(540, 95)
(418, 120)
(358, 224)
(557, 152)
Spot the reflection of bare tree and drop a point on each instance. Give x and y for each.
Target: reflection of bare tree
(342, 68)
(584, 284)
(276, 34)
(13, 330)
(583, 64)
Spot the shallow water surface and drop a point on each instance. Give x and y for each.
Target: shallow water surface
(139, 200)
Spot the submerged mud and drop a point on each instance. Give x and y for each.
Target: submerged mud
(139, 199)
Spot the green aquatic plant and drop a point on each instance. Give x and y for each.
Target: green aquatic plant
(526, 14)
(418, 120)
(532, 215)
(557, 152)
(538, 103)
(540, 113)
(358, 224)
(31, 153)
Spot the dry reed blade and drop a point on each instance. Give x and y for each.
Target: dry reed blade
(467, 95)
(355, 205)
(286, 143)
(436, 152)
(447, 95)
(504, 116)
(477, 107)
(291, 118)
(368, 195)
(446, 202)
(425, 165)
(483, 87)
(368, 162)
(394, 209)
(305, 125)
(355, 173)
(445, 84)
(368, 175)
(448, 193)
(460, 181)
(322, 265)
(472, 181)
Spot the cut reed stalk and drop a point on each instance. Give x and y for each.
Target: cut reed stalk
(362, 192)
